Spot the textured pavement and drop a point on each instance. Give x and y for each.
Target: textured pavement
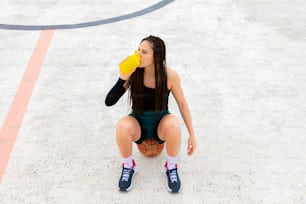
(242, 66)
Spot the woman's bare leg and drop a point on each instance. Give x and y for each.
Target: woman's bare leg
(127, 131)
(169, 130)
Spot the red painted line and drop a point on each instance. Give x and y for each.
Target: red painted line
(13, 120)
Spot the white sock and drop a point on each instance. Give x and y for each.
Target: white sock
(128, 162)
(171, 162)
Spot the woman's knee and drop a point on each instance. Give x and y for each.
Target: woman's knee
(127, 126)
(169, 123)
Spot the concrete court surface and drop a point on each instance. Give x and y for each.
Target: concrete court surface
(242, 66)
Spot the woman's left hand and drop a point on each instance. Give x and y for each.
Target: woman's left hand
(191, 145)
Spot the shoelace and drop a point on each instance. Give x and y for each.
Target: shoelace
(173, 175)
(126, 174)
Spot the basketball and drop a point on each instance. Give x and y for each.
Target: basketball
(150, 148)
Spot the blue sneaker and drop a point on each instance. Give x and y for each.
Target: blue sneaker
(127, 174)
(174, 183)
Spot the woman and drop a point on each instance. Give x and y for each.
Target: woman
(150, 84)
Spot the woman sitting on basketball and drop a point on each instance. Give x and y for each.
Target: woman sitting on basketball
(150, 84)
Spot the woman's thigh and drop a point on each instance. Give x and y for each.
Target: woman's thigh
(128, 125)
(169, 124)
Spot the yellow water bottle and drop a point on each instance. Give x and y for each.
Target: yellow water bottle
(130, 63)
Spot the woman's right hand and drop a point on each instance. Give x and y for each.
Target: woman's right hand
(128, 66)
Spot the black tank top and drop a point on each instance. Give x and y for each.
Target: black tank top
(149, 99)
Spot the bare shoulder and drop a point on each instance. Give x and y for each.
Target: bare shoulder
(173, 77)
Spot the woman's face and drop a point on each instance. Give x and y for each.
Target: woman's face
(146, 54)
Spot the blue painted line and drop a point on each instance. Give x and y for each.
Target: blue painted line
(142, 12)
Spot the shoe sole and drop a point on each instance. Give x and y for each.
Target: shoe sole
(131, 186)
(169, 189)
